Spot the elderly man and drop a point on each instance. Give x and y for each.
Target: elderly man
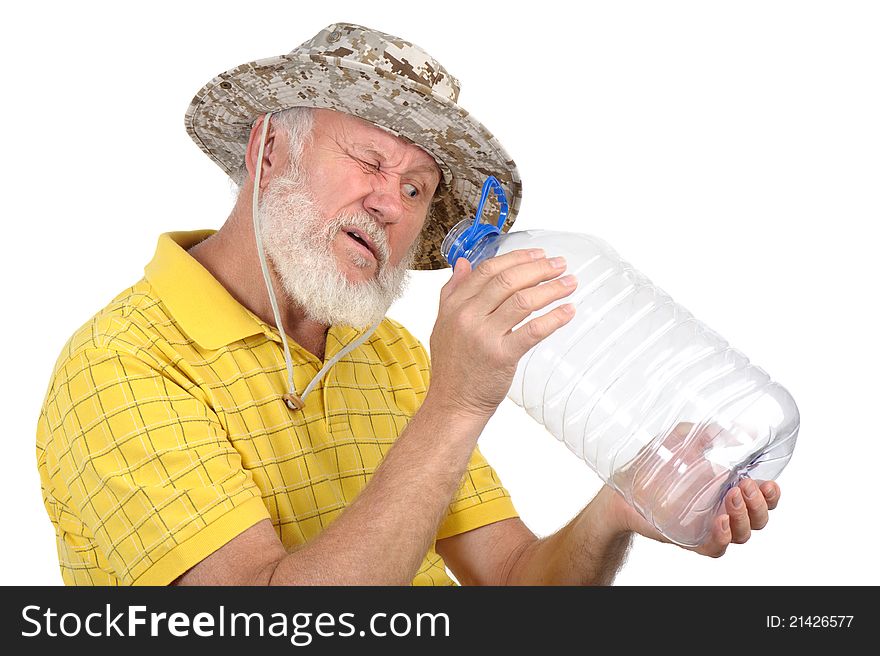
(204, 429)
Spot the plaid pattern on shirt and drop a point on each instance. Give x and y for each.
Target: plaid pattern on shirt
(163, 434)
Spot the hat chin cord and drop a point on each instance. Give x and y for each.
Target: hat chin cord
(293, 401)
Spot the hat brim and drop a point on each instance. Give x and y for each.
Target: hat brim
(221, 114)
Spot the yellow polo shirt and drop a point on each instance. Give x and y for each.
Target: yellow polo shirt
(163, 434)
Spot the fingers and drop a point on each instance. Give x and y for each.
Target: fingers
(700, 441)
(514, 282)
(522, 303)
(525, 337)
(719, 539)
(460, 270)
(489, 269)
(740, 524)
(745, 513)
(748, 509)
(755, 503)
(771, 493)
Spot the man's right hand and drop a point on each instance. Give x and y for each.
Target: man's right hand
(474, 349)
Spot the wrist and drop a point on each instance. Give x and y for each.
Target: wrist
(452, 406)
(614, 512)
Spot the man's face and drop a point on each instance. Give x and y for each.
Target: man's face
(342, 227)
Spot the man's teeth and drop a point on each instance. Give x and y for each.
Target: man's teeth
(358, 238)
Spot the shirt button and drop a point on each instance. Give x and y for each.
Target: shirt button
(334, 36)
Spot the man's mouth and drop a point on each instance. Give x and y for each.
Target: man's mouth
(363, 241)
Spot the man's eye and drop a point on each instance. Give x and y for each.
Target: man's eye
(410, 190)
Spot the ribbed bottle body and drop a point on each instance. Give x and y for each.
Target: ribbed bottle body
(657, 403)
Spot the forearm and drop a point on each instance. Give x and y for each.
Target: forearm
(383, 536)
(590, 550)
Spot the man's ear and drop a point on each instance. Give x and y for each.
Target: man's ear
(272, 154)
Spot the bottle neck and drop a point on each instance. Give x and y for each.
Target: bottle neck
(468, 241)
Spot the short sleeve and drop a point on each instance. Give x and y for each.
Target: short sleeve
(480, 500)
(139, 464)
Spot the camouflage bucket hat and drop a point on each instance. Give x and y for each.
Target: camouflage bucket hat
(377, 77)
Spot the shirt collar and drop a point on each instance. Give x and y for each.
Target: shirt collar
(203, 307)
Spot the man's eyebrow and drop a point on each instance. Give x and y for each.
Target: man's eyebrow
(369, 149)
(428, 168)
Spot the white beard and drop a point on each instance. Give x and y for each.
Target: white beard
(298, 242)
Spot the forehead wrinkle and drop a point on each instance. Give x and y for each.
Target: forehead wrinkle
(349, 131)
(372, 148)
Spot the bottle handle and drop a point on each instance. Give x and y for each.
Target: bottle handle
(492, 184)
(477, 231)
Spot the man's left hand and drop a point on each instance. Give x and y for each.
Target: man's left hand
(746, 508)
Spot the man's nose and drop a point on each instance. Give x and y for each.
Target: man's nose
(384, 201)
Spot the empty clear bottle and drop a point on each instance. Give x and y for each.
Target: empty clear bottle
(657, 403)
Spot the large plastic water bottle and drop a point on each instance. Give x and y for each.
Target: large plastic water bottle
(657, 403)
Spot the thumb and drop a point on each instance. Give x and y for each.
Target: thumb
(462, 265)
(460, 271)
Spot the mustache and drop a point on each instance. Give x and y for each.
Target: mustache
(365, 222)
(291, 196)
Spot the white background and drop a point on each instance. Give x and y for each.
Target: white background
(730, 151)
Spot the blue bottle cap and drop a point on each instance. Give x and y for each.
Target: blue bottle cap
(465, 241)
